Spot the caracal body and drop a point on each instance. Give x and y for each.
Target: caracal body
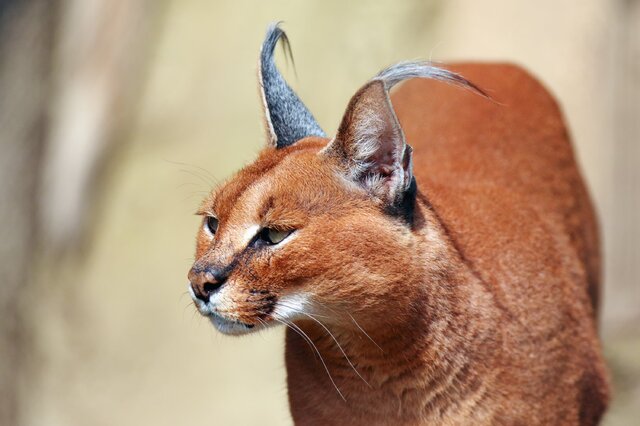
(457, 283)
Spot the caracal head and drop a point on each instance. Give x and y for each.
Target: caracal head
(315, 227)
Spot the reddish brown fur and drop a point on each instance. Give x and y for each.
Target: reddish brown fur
(482, 312)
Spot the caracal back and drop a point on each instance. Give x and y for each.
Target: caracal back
(502, 178)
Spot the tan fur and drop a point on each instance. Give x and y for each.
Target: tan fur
(482, 312)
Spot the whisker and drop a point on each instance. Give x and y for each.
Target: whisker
(186, 184)
(260, 330)
(293, 326)
(304, 336)
(203, 179)
(339, 347)
(198, 193)
(354, 321)
(188, 305)
(294, 309)
(365, 333)
(210, 175)
(184, 293)
(283, 321)
(329, 308)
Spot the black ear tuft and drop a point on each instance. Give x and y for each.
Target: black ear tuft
(287, 119)
(422, 69)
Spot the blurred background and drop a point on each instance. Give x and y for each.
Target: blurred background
(117, 117)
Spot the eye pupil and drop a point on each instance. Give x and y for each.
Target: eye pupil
(212, 224)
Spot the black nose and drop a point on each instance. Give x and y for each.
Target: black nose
(206, 282)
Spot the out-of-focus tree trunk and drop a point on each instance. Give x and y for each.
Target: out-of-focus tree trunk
(623, 231)
(26, 35)
(101, 51)
(69, 74)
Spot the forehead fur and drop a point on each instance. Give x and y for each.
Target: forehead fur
(294, 178)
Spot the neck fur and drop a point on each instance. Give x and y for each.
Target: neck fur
(423, 354)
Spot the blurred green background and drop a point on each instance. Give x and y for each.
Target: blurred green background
(117, 117)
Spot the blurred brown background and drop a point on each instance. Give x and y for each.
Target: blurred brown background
(116, 117)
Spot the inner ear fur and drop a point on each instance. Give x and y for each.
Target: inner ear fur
(370, 144)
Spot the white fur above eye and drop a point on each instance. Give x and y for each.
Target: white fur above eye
(249, 233)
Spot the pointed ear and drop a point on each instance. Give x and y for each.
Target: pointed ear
(286, 118)
(370, 145)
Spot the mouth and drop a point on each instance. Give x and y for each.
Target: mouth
(221, 323)
(228, 326)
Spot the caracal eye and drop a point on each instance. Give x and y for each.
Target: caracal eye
(211, 225)
(272, 236)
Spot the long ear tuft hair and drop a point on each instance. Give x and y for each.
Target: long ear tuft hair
(423, 69)
(287, 119)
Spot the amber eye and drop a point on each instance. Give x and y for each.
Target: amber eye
(272, 236)
(211, 225)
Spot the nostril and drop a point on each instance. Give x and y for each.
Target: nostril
(204, 291)
(205, 283)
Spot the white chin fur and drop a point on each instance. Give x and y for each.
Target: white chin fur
(232, 328)
(289, 307)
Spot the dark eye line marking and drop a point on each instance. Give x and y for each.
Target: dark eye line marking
(244, 254)
(236, 259)
(266, 207)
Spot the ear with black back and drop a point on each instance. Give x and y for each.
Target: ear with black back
(370, 146)
(287, 119)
